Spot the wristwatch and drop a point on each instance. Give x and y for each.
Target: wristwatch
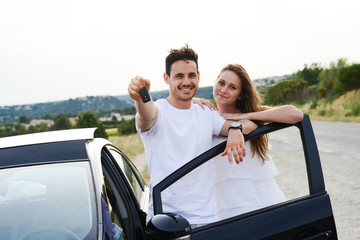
(235, 125)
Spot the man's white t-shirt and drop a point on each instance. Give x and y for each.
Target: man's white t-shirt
(178, 136)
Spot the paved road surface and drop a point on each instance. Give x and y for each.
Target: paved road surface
(339, 149)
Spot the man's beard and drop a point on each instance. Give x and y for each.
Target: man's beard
(184, 97)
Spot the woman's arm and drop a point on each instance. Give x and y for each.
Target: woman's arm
(283, 114)
(248, 126)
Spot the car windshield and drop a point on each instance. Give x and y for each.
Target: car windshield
(52, 200)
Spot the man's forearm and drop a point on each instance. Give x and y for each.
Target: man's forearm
(146, 115)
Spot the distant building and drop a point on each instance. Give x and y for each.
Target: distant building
(128, 117)
(48, 122)
(35, 122)
(73, 121)
(116, 115)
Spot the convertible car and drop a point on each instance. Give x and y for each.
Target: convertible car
(69, 185)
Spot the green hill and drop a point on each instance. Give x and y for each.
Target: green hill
(68, 107)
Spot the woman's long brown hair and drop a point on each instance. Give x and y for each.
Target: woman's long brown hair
(249, 101)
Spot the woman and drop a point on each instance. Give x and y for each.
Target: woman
(250, 185)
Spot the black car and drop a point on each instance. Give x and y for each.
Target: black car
(70, 185)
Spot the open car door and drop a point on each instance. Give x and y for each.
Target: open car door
(309, 216)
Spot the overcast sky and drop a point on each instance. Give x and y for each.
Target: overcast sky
(55, 50)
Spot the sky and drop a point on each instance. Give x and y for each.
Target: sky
(56, 50)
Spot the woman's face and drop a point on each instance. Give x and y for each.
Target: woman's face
(227, 88)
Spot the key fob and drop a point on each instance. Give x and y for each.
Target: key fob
(144, 94)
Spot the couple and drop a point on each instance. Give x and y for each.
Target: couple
(175, 130)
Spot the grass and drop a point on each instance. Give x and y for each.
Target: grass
(112, 132)
(346, 108)
(131, 144)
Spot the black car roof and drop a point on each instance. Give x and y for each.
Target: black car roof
(40, 148)
(54, 152)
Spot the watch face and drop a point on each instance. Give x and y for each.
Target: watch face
(235, 124)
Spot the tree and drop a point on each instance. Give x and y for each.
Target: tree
(127, 127)
(24, 119)
(62, 122)
(328, 78)
(128, 111)
(285, 91)
(42, 127)
(48, 116)
(20, 129)
(309, 74)
(87, 120)
(349, 77)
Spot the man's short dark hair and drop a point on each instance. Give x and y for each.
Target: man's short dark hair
(185, 53)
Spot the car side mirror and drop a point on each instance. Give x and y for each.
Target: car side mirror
(168, 226)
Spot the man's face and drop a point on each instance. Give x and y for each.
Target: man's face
(183, 80)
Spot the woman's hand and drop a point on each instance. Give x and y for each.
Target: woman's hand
(235, 146)
(204, 102)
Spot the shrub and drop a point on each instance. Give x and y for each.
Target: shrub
(127, 127)
(322, 91)
(355, 109)
(87, 120)
(313, 103)
(286, 91)
(322, 112)
(349, 78)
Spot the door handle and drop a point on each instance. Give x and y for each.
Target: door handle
(320, 236)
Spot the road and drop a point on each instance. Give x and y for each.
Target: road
(339, 149)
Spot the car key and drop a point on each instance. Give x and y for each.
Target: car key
(144, 94)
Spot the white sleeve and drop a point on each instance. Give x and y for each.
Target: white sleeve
(218, 122)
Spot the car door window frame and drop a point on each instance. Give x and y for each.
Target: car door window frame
(135, 215)
(311, 154)
(140, 180)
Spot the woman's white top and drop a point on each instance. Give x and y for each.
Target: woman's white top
(244, 187)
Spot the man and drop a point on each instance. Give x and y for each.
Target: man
(174, 131)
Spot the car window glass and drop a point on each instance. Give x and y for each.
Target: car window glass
(115, 215)
(288, 155)
(130, 174)
(52, 199)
